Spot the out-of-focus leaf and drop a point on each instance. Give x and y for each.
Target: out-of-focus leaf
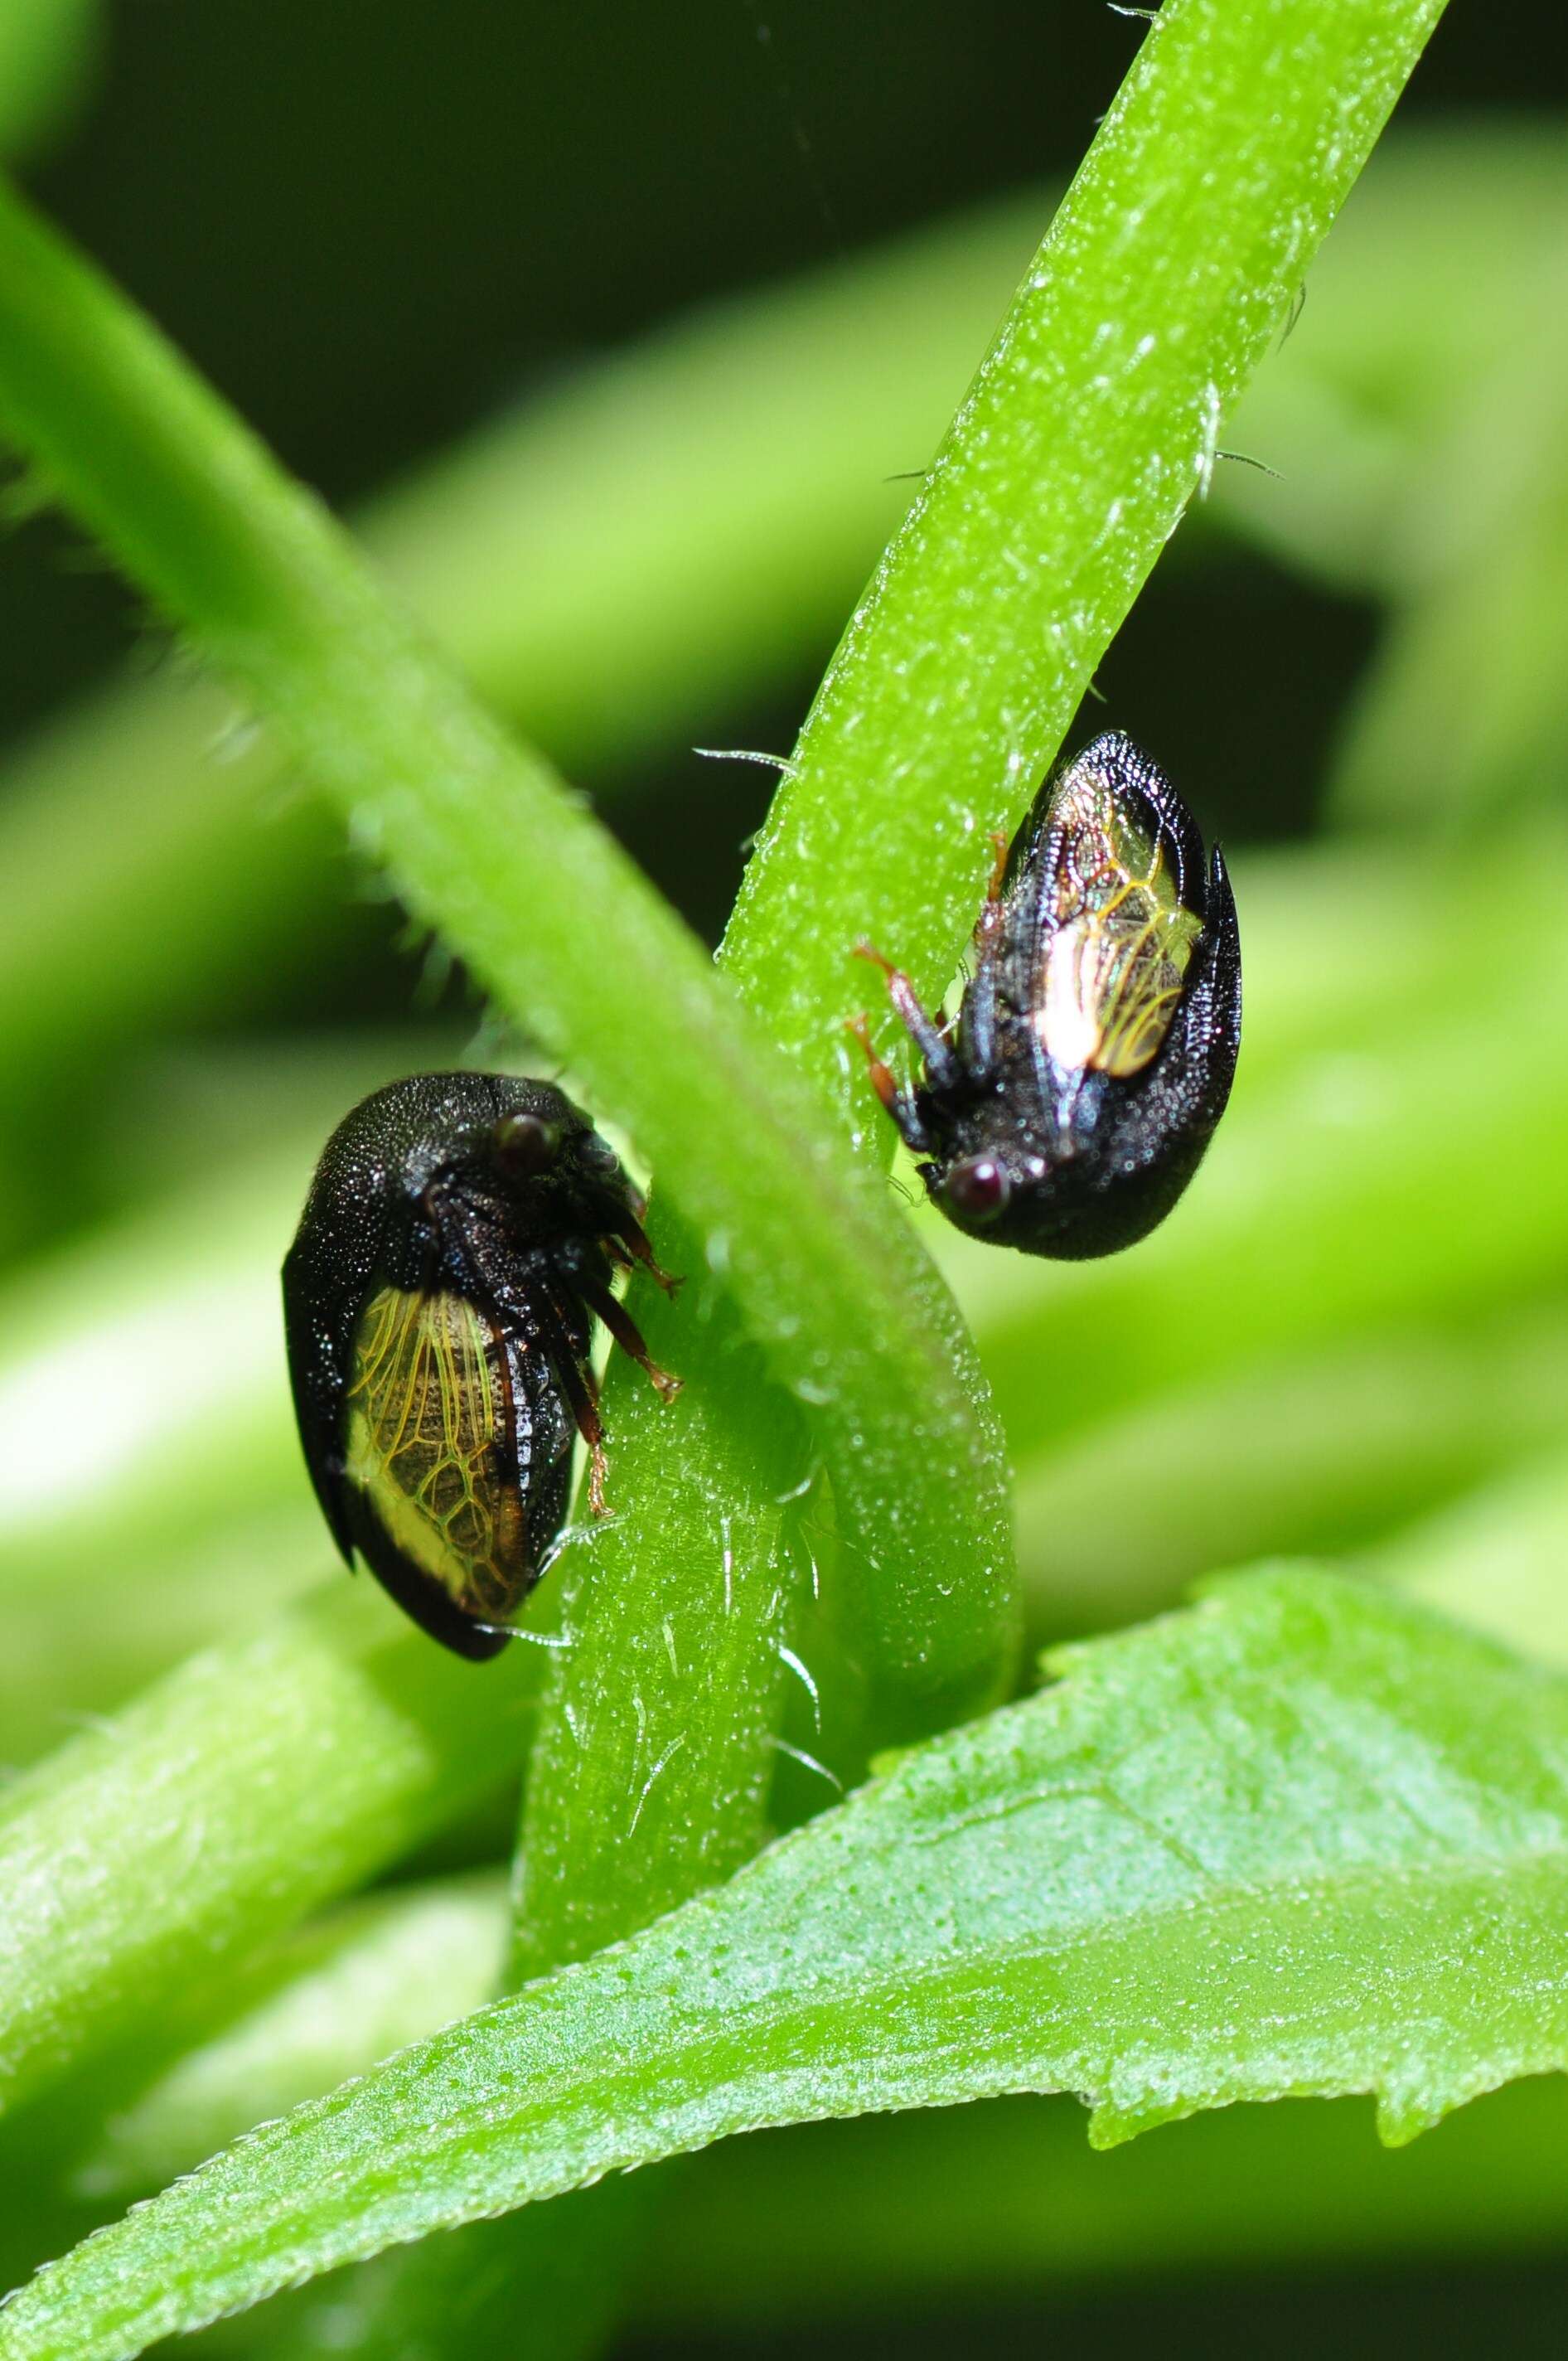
(1309, 1455)
(372, 1977)
(476, 829)
(47, 52)
(1446, 255)
(1343, 1195)
(592, 560)
(1001, 2203)
(1496, 1558)
(1465, 714)
(187, 1519)
(1302, 1839)
(261, 1779)
(617, 566)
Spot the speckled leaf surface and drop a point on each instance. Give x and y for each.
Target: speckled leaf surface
(1298, 1838)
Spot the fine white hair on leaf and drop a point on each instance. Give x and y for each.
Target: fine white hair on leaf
(799, 1755)
(664, 1762)
(803, 1673)
(780, 763)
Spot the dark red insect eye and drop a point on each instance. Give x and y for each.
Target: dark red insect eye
(978, 1188)
(527, 1145)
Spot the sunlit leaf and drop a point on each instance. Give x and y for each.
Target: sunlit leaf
(1302, 1839)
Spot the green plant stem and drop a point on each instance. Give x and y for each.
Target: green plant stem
(648, 1781)
(1093, 420)
(649, 1777)
(402, 820)
(254, 1782)
(652, 481)
(590, 560)
(487, 847)
(1352, 947)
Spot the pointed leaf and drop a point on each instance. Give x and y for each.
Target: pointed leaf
(1300, 1838)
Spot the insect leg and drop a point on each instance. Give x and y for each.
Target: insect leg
(578, 1383)
(940, 1065)
(629, 1240)
(899, 1104)
(627, 1335)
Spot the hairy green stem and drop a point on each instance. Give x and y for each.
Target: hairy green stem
(256, 1780)
(555, 921)
(928, 726)
(591, 562)
(1169, 270)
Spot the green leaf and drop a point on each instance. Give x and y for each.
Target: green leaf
(1299, 1840)
(477, 836)
(49, 50)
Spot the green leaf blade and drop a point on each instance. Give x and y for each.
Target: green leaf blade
(1300, 1838)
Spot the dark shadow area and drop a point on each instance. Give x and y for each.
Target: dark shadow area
(1464, 2315)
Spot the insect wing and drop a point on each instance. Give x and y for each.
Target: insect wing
(435, 1422)
(1114, 936)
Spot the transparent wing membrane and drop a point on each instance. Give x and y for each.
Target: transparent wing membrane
(428, 1431)
(1118, 938)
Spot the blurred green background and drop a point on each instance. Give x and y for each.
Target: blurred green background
(617, 326)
